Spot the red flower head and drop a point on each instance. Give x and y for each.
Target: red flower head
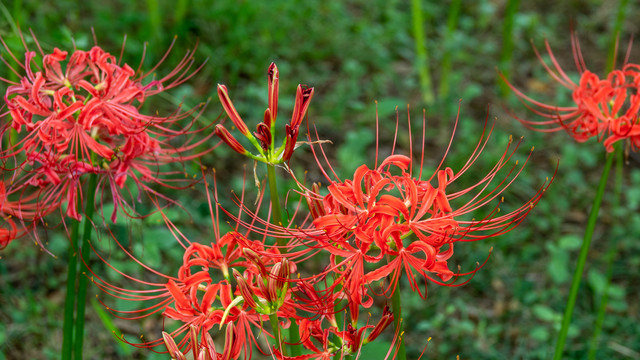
(606, 108)
(220, 284)
(390, 218)
(81, 113)
(264, 137)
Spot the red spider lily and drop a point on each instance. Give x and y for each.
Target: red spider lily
(606, 108)
(221, 284)
(87, 119)
(389, 218)
(264, 137)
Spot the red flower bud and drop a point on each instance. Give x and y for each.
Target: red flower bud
(231, 110)
(385, 320)
(244, 289)
(303, 98)
(226, 136)
(273, 81)
(263, 134)
(256, 260)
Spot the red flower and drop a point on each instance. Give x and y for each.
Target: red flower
(606, 108)
(390, 219)
(87, 119)
(221, 284)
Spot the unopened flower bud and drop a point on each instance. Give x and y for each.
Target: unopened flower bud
(273, 81)
(224, 134)
(315, 204)
(303, 98)
(244, 289)
(256, 260)
(385, 320)
(263, 134)
(232, 346)
(231, 110)
(172, 348)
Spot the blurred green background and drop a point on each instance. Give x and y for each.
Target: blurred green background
(354, 53)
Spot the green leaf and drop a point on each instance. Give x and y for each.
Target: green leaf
(570, 242)
(544, 313)
(106, 321)
(596, 280)
(539, 333)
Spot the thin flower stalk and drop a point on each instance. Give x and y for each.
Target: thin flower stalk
(582, 259)
(263, 140)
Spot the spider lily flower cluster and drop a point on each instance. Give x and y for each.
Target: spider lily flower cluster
(604, 108)
(80, 112)
(391, 219)
(369, 228)
(240, 285)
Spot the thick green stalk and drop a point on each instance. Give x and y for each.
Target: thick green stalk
(582, 258)
(83, 279)
(396, 307)
(422, 59)
(507, 43)
(276, 216)
(445, 67)
(275, 326)
(155, 17)
(276, 213)
(70, 298)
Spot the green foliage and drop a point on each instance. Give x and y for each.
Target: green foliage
(354, 53)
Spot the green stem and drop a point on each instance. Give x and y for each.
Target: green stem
(69, 300)
(396, 307)
(83, 279)
(507, 43)
(276, 215)
(445, 68)
(610, 255)
(582, 259)
(275, 326)
(617, 27)
(155, 18)
(422, 59)
(617, 190)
